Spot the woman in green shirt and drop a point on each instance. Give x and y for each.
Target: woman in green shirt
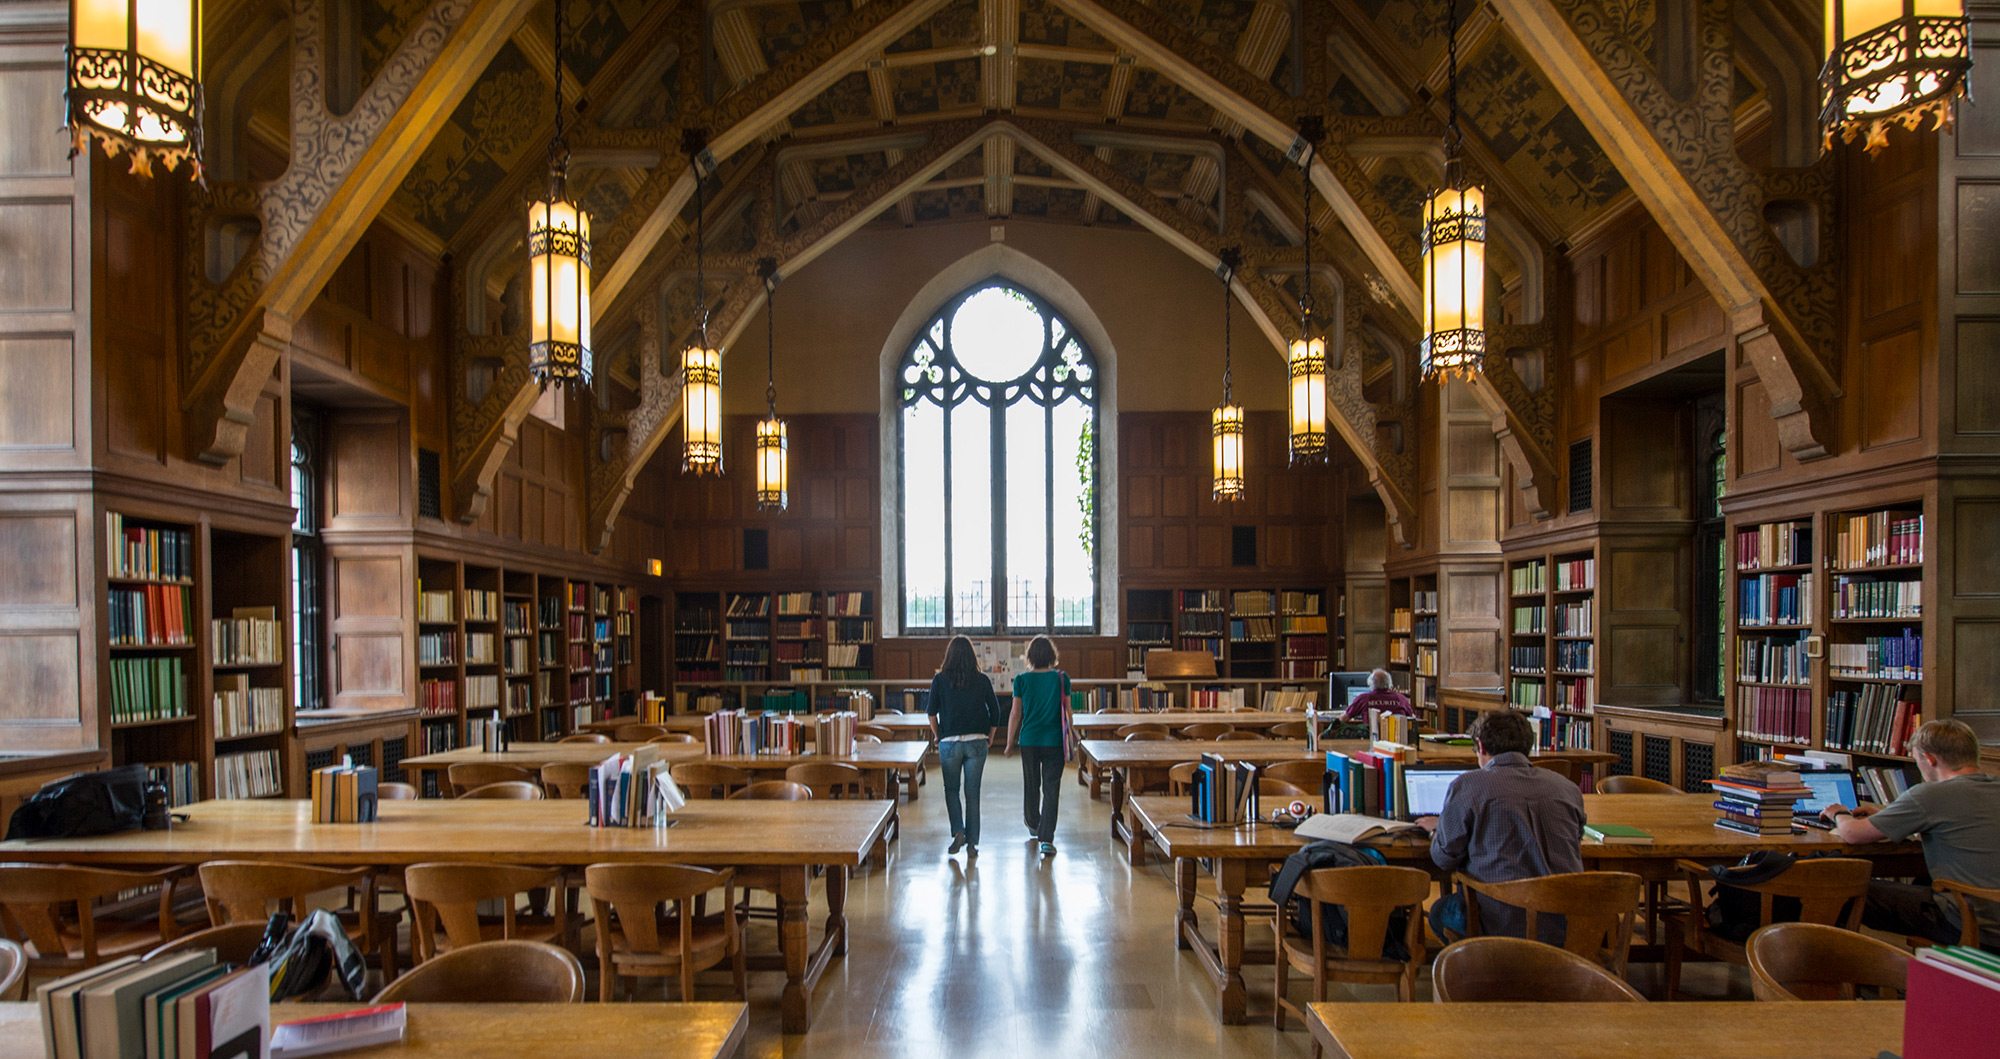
(1040, 726)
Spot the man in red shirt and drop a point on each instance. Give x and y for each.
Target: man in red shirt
(1380, 696)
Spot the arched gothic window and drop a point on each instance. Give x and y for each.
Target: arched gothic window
(999, 469)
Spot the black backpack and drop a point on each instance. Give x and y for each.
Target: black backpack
(1333, 918)
(88, 803)
(1733, 912)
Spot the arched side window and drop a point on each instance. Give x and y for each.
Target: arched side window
(998, 469)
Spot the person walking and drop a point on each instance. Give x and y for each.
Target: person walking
(964, 714)
(1039, 726)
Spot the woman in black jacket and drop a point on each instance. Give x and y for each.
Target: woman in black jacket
(964, 712)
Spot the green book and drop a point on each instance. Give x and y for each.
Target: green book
(1616, 835)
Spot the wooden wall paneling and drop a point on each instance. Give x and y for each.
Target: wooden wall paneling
(1967, 167)
(370, 470)
(49, 621)
(1366, 587)
(1471, 598)
(371, 591)
(1643, 612)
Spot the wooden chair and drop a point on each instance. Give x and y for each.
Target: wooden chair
(773, 791)
(1152, 729)
(1305, 774)
(1206, 731)
(448, 895)
(1830, 891)
(879, 731)
(1560, 766)
(13, 971)
(704, 780)
(1811, 961)
(1503, 970)
(1370, 896)
(674, 737)
(1290, 730)
(1598, 908)
(830, 779)
(507, 790)
(492, 972)
(639, 733)
(232, 942)
(636, 941)
(585, 737)
(1635, 785)
(565, 779)
(469, 774)
(1145, 734)
(1180, 778)
(53, 907)
(1968, 915)
(395, 792)
(1240, 733)
(242, 891)
(864, 739)
(1273, 792)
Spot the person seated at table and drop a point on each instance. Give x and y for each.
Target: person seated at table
(1956, 811)
(1381, 695)
(1503, 821)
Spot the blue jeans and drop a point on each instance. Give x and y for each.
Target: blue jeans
(967, 756)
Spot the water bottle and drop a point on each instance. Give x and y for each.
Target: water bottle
(1312, 730)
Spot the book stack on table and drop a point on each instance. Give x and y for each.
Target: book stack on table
(1758, 797)
(180, 1006)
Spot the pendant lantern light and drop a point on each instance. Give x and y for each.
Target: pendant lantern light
(558, 265)
(1306, 362)
(1227, 420)
(773, 476)
(1454, 252)
(701, 364)
(134, 81)
(1892, 62)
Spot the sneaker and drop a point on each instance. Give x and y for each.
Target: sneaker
(1048, 849)
(957, 843)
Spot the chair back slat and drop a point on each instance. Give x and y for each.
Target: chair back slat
(703, 779)
(1598, 907)
(1812, 961)
(1370, 895)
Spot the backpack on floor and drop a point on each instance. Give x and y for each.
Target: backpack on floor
(1333, 918)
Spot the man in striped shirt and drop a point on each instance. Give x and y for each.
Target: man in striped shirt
(1503, 821)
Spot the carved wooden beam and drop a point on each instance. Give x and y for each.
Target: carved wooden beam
(343, 170)
(1679, 158)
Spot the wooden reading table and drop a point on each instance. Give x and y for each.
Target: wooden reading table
(1122, 759)
(498, 1031)
(1682, 826)
(886, 760)
(791, 837)
(1737, 1029)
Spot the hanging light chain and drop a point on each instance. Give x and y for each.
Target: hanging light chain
(695, 143)
(1454, 138)
(559, 146)
(768, 269)
(1232, 259)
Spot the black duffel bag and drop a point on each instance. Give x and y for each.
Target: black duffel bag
(88, 803)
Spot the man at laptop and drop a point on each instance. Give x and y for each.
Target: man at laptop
(1503, 821)
(1381, 695)
(1956, 810)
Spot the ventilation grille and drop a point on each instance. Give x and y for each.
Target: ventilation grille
(430, 498)
(393, 752)
(1451, 719)
(1621, 745)
(319, 759)
(1697, 767)
(1579, 476)
(756, 549)
(361, 753)
(1243, 546)
(1659, 757)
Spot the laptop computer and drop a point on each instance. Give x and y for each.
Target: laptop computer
(1829, 787)
(1424, 789)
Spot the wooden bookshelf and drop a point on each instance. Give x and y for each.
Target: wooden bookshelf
(1551, 643)
(1256, 632)
(735, 642)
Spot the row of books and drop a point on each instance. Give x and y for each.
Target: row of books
(145, 553)
(438, 738)
(1203, 622)
(1215, 698)
(798, 628)
(1564, 732)
(488, 734)
(1778, 715)
(1294, 624)
(1301, 668)
(727, 732)
(1527, 693)
(849, 604)
(437, 698)
(1529, 578)
(250, 636)
(578, 594)
(1368, 782)
(1574, 656)
(1252, 602)
(850, 630)
(1299, 602)
(183, 1005)
(1896, 657)
(520, 619)
(482, 692)
(833, 733)
(242, 710)
(1224, 792)
(151, 615)
(796, 603)
(1527, 658)
(749, 606)
(755, 653)
(1288, 699)
(1774, 599)
(754, 629)
(1399, 651)
(1531, 619)
(846, 655)
(1576, 575)
(520, 699)
(517, 658)
(152, 688)
(182, 779)
(1305, 647)
(1253, 629)
(1877, 719)
(252, 774)
(1875, 597)
(1574, 693)
(479, 648)
(1211, 644)
(549, 612)
(1201, 599)
(437, 648)
(581, 657)
(1425, 628)
(344, 794)
(482, 604)
(1879, 538)
(434, 604)
(1573, 619)
(631, 790)
(1400, 619)
(1758, 797)
(549, 648)
(1774, 544)
(1773, 660)
(1424, 601)
(792, 651)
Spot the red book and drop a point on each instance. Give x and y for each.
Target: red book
(1944, 1013)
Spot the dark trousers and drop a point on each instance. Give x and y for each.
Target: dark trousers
(1909, 910)
(1041, 788)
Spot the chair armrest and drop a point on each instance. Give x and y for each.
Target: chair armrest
(1697, 874)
